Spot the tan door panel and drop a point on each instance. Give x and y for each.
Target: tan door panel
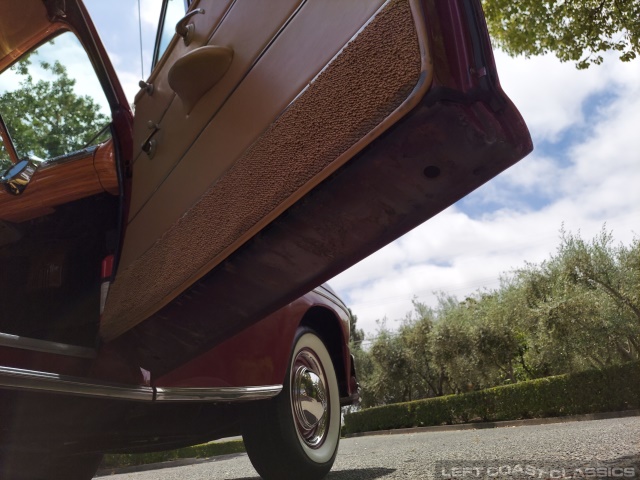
(151, 107)
(248, 29)
(371, 83)
(308, 43)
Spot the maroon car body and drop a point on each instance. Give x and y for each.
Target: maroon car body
(273, 146)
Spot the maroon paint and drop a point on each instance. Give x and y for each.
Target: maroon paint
(256, 356)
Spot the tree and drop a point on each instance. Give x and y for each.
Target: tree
(46, 118)
(577, 310)
(582, 306)
(601, 265)
(418, 332)
(356, 335)
(576, 31)
(612, 272)
(4, 158)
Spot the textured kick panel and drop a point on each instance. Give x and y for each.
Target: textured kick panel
(370, 78)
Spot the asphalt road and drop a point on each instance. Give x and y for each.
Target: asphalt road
(538, 451)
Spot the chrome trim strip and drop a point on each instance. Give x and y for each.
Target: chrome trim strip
(31, 380)
(69, 157)
(323, 292)
(34, 344)
(216, 394)
(19, 379)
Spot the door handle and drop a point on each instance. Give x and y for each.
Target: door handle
(185, 29)
(150, 144)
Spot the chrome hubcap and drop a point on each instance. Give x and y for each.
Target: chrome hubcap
(309, 398)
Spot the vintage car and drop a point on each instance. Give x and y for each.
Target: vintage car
(159, 272)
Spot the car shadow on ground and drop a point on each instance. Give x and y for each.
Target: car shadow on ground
(360, 473)
(626, 461)
(351, 474)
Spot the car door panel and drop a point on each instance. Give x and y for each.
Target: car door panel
(151, 106)
(457, 129)
(316, 33)
(357, 91)
(247, 29)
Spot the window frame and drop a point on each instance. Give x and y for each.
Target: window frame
(161, 23)
(43, 40)
(7, 142)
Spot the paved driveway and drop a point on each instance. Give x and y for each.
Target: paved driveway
(529, 452)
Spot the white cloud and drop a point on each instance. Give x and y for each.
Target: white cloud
(149, 12)
(535, 175)
(9, 81)
(129, 82)
(119, 28)
(550, 95)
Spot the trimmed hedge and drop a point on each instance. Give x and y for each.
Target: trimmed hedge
(616, 388)
(197, 451)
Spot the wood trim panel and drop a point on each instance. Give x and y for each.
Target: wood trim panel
(104, 162)
(60, 183)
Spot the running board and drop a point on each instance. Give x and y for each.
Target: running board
(34, 381)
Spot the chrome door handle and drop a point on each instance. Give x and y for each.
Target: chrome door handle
(186, 30)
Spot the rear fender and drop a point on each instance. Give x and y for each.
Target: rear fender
(260, 354)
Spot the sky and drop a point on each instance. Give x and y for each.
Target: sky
(584, 173)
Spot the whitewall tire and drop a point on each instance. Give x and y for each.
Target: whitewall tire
(296, 434)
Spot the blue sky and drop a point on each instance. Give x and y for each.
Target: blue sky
(584, 172)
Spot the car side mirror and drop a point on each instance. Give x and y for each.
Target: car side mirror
(17, 178)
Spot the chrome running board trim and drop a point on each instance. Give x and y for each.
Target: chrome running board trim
(35, 381)
(31, 380)
(216, 394)
(37, 345)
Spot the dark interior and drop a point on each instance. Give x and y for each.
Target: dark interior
(50, 271)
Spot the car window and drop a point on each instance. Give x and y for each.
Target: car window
(172, 12)
(52, 102)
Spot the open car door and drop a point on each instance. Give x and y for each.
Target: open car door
(274, 145)
(278, 143)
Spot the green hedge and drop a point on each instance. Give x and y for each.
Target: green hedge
(197, 451)
(613, 389)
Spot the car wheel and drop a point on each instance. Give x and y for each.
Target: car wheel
(295, 435)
